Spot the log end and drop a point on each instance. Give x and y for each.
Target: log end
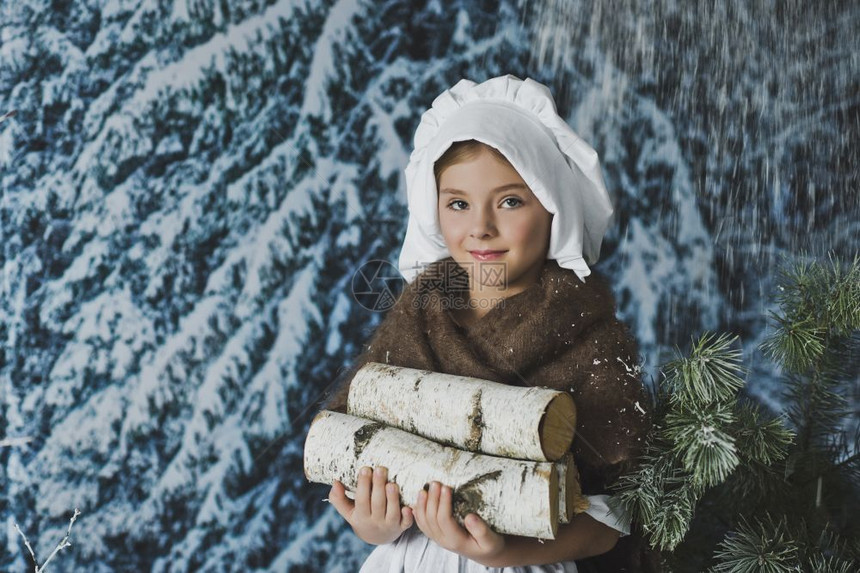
(553, 502)
(576, 502)
(557, 426)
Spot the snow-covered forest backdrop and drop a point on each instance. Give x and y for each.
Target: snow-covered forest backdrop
(189, 186)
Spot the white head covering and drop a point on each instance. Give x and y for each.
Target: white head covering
(518, 118)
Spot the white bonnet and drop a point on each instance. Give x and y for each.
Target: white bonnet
(519, 118)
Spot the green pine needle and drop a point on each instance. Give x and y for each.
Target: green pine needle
(660, 496)
(711, 372)
(816, 407)
(817, 302)
(642, 491)
(700, 437)
(796, 344)
(673, 517)
(843, 305)
(712, 462)
(763, 547)
(822, 564)
(761, 442)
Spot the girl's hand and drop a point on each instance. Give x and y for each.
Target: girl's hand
(435, 517)
(375, 515)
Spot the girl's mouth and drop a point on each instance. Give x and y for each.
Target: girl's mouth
(486, 255)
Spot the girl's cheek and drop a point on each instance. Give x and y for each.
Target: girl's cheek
(451, 227)
(528, 229)
(542, 223)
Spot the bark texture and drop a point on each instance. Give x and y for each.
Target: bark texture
(477, 415)
(513, 496)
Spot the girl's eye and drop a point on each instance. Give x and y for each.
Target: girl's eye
(460, 205)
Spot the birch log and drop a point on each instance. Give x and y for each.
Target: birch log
(570, 498)
(513, 496)
(528, 423)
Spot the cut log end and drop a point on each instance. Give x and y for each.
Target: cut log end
(571, 499)
(553, 501)
(575, 502)
(557, 426)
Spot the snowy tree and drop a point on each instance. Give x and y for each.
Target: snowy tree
(188, 188)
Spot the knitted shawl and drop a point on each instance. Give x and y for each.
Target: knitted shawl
(558, 333)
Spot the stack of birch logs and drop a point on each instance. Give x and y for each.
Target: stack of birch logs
(504, 450)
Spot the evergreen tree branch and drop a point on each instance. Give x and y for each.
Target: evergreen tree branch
(711, 373)
(763, 546)
(796, 468)
(692, 446)
(707, 450)
(824, 564)
(764, 442)
(797, 343)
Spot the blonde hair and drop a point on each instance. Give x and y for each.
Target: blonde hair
(461, 151)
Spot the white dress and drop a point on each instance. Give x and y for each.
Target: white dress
(413, 552)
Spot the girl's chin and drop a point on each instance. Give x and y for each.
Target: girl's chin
(496, 281)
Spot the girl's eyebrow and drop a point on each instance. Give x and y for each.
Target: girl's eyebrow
(508, 187)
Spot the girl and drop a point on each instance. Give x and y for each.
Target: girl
(507, 208)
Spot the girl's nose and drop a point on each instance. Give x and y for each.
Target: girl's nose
(483, 225)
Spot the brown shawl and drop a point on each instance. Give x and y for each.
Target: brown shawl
(559, 333)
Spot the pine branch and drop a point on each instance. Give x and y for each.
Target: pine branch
(672, 519)
(708, 451)
(844, 458)
(705, 441)
(843, 307)
(661, 498)
(843, 455)
(824, 564)
(643, 492)
(818, 303)
(848, 461)
(820, 312)
(764, 442)
(765, 546)
(710, 373)
(816, 407)
(703, 389)
(770, 545)
(815, 332)
(797, 343)
(828, 550)
(692, 446)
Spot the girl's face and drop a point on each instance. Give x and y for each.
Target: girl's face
(493, 225)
